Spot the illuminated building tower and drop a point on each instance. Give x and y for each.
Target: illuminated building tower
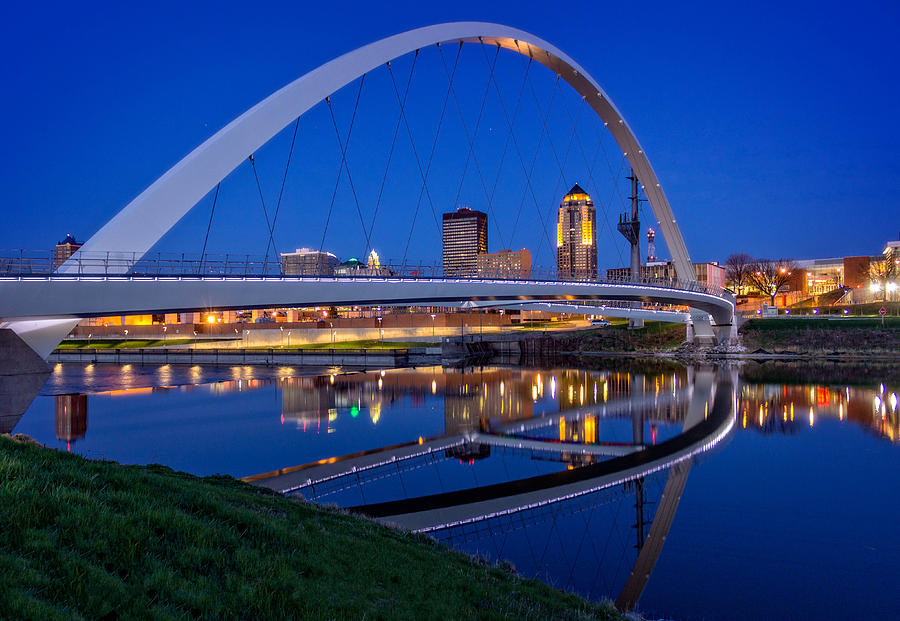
(65, 249)
(464, 238)
(576, 236)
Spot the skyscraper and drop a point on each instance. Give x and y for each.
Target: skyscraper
(576, 236)
(464, 238)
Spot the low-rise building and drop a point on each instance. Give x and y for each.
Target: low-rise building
(65, 249)
(707, 274)
(504, 264)
(308, 262)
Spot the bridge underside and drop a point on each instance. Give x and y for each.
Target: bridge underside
(29, 301)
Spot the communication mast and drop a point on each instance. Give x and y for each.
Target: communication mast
(651, 246)
(631, 230)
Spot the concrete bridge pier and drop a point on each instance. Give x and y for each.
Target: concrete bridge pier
(22, 375)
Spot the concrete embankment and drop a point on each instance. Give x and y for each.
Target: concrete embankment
(355, 358)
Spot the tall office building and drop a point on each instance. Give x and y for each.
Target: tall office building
(65, 249)
(464, 238)
(576, 236)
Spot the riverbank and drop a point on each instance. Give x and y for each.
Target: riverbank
(809, 336)
(776, 339)
(98, 539)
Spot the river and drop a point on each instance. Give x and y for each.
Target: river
(756, 491)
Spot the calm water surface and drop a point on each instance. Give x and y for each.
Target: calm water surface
(783, 505)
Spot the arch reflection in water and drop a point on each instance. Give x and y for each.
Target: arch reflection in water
(584, 485)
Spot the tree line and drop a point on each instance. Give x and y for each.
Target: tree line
(767, 276)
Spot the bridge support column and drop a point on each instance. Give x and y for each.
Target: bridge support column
(700, 330)
(727, 333)
(22, 375)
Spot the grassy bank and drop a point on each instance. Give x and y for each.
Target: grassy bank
(90, 539)
(823, 336)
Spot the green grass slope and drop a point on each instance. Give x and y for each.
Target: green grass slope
(97, 540)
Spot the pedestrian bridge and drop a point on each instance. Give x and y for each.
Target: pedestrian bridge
(42, 308)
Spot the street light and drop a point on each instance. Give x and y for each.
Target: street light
(432, 325)
(164, 335)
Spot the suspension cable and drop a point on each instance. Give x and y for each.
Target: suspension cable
(509, 131)
(344, 163)
(470, 154)
(537, 151)
(412, 143)
(337, 181)
(281, 192)
(519, 154)
(263, 202)
(437, 134)
(561, 165)
(593, 182)
(391, 153)
(209, 226)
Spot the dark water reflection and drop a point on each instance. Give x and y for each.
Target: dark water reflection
(789, 513)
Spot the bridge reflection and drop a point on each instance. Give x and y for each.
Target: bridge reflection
(595, 475)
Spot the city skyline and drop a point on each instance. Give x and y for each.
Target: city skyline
(88, 169)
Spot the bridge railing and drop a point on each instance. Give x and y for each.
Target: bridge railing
(22, 263)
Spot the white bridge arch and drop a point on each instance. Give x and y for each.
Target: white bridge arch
(132, 232)
(38, 314)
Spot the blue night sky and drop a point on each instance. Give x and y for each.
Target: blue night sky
(772, 126)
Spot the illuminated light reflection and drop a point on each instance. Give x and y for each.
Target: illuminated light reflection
(433, 387)
(375, 412)
(812, 417)
(590, 490)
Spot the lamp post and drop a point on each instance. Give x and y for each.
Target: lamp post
(432, 325)
(165, 328)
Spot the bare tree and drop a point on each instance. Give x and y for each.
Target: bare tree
(881, 273)
(769, 276)
(737, 271)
